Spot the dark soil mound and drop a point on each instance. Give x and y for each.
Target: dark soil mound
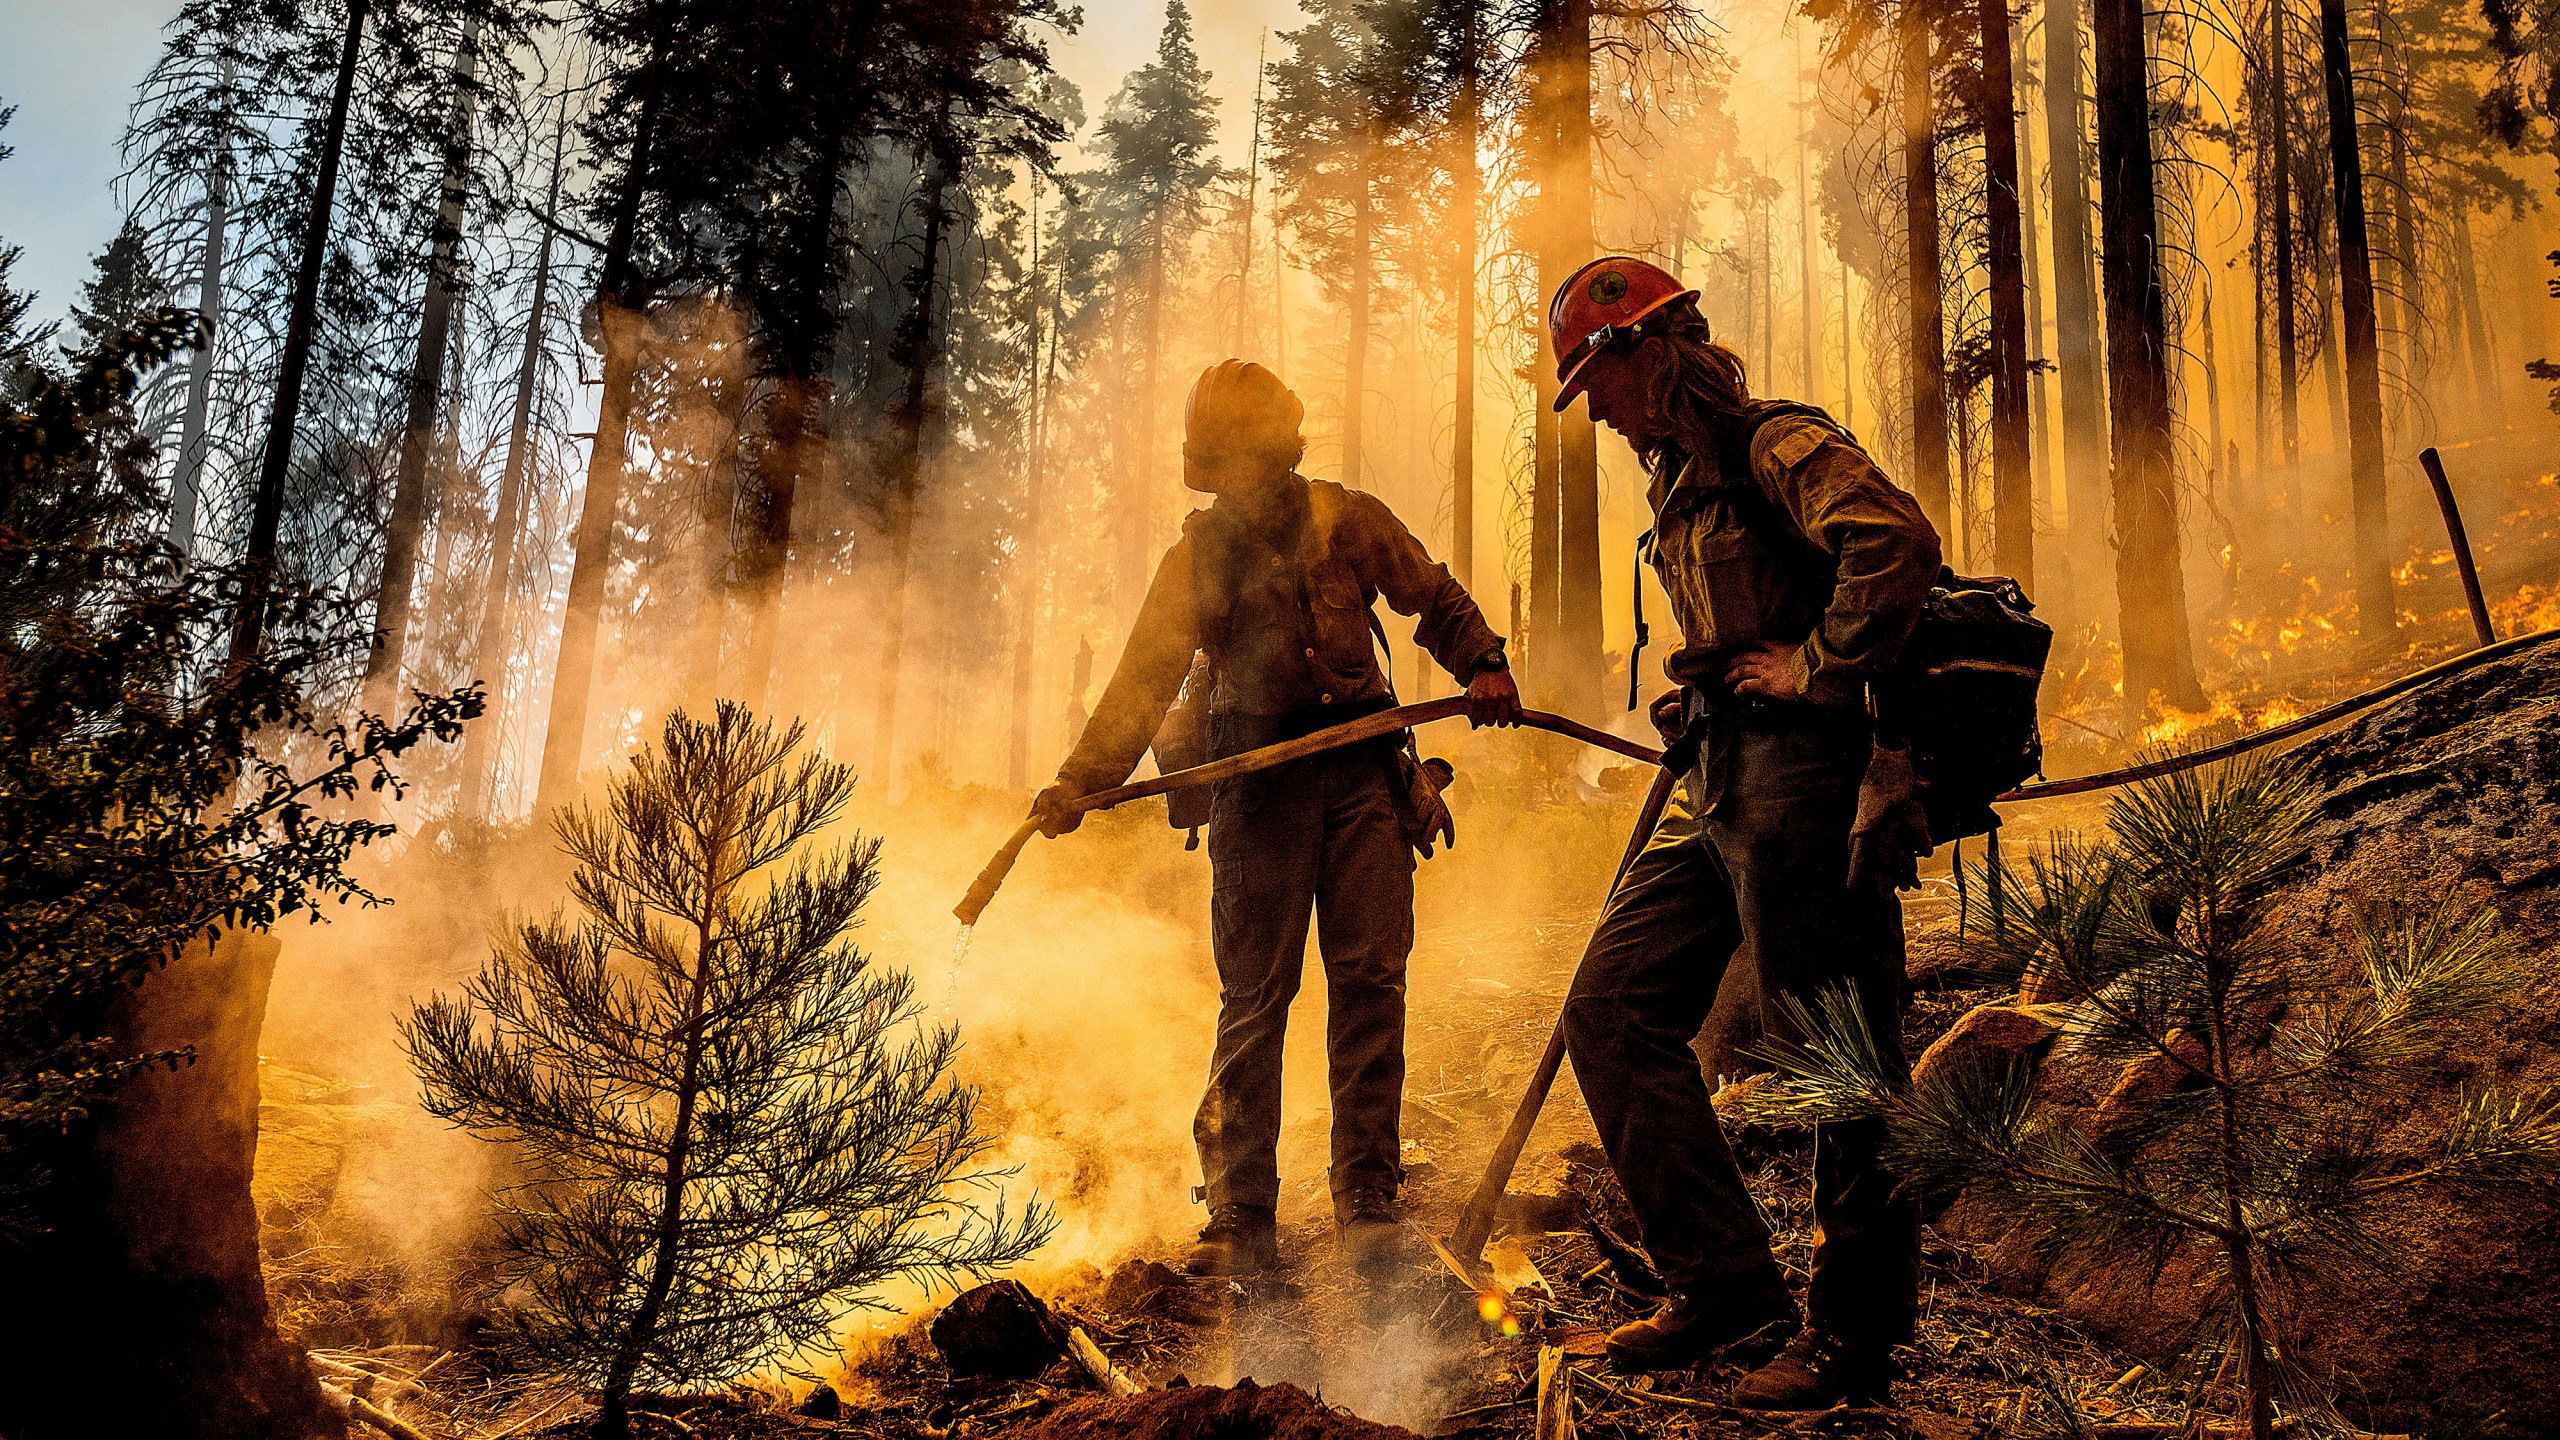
(1247, 1412)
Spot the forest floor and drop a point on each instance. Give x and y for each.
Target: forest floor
(1425, 1352)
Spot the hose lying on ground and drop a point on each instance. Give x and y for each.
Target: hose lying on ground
(1370, 727)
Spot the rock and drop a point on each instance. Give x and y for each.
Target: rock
(999, 1329)
(823, 1404)
(1205, 1412)
(2457, 784)
(1999, 1032)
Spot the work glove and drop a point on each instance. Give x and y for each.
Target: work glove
(1431, 805)
(1055, 809)
(1891, 832)
(1669, 714)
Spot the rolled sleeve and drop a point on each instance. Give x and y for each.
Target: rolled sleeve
(1884, 549)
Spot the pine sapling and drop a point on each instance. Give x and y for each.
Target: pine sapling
(2252, 1135)
(734, 1134)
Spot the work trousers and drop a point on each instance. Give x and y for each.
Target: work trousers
(1320, 835)
(1751, 858)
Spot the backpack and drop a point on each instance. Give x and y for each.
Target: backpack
(1963, 690)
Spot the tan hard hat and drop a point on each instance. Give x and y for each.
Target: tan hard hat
(1238, 411)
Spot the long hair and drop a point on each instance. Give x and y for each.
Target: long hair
(1703, 389)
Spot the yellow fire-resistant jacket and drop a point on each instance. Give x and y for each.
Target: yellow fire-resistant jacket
(1828, 555)
(1293, 635)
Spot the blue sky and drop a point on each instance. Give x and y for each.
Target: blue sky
(70, 68)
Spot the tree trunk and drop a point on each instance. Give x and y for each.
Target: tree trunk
(302, 321)
(2150, 590)
(155, 1308)
(2280, 240)
(2047, 469)
(2484, 364)
(493, 638)
(2376, 614)
(186, 484)
(2013, 496)
(918, 349)
(621, 326)
(1808, 313)
(1928, 324)
(1541, 138)
(1355, 340)
(1466, 121)
(409, 505)
(2075, 316)
(1027, 562)
(1577, 672)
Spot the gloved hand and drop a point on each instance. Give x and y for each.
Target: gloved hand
(1891, 832)
(1669, 714)
(1054, 809)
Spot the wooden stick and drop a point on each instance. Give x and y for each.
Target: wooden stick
(355, 1407)
(1367, 727)
(1555, 1396)
(2434, 465)
(1475, 1222)
(1115, 1382)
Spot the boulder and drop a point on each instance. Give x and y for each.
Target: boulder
(1999, 1032)
(2454, 785)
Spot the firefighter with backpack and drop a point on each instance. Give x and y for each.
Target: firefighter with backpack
(1796, 570)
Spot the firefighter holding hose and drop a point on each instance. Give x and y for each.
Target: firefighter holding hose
(1271, 587)
(1796, 570)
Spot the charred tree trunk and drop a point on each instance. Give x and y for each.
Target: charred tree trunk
(154, 1304)
(186, 484)
(2013, 496)
(409, 500)
(2081, 376)
(1140, 496)
(493, 638)
(2150, 591)
(2376, 615)
(621, 325)
(2280, 242)
(1928, 322)
(918, 350)
(1466, 124)
(1540, 138)
(302, 322)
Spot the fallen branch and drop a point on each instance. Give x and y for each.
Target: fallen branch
(355, 1407)
(1114, 1381)
(1555, 1395)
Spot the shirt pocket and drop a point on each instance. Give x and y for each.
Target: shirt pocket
(1341, 612)
(1722, 581)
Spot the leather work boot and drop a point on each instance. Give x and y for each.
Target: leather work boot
(1696, 1323)
(1238, 1240)
(1817, 1370)
(1372, 1235)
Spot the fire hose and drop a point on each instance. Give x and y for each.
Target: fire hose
(1475, 1222)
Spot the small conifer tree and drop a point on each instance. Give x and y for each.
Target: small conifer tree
(2263, 1148)
(733, 1133)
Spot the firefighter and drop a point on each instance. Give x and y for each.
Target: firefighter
(1272, 586)
(1796, 570)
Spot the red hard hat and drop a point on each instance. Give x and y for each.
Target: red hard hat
(1602, 302)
